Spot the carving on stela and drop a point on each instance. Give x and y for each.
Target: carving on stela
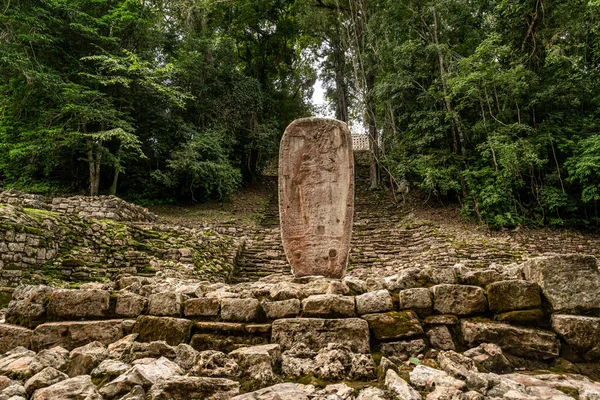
(316, 196)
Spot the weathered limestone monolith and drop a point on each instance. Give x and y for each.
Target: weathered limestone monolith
(316, 196)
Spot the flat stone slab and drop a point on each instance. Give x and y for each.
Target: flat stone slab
(76, 334)
(12, 336)
(316, 196)
(78, 303)
(524, 342)
(569, 282)
(316, 333)
(172, 330)
(582, 333)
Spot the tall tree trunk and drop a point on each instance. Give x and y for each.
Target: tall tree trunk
(341, 88)
(113, 188)
(374, 175)
(94, 164)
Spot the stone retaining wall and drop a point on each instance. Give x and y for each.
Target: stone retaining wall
(542, 309)
(42, 246)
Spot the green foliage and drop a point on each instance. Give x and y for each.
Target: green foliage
(201, 168)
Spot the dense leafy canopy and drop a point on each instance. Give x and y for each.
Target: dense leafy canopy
(494, 104)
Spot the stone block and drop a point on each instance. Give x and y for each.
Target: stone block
(202, 307)
(513, 295)
(569, 282)
(581, 333)
(75, 334)
(523, 342)
(374, 302)
(85, 303)
(165, 304)
(240, 310)
(402, 351)
(281, 309)
(458, 299)
(130, 305)
(328, 305)
(172, 330)
(12, 336)
(394, 325)
(316, 333)
(416, 299)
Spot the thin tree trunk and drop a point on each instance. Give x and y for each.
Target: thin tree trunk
(92, 164)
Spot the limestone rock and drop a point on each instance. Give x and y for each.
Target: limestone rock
(490, 356)
(27, 306)
(417, 299)
(513, 295)
(130, 305)
(286, 291)
(193, 388)
(16, 362)
(355, 284)
(257, 362)
(75, 334)
(569, 282)
(165, 304)
(239, 310)
(84, 359)
(144, 375)
(47, 377)
(12, 336)
(281, 309)
(524, 342)
(282, 391)
(402, 351)
(423, 377)
(440, 338)
(317, 333)
(371, 393)
(215, 364)
(337, 362)
(202, 307)
(456, 365)
(581, 333)
(328, 305)
(394, 325)
(171, 330)
(56, 357)
(399, 387)
(186, 356)
(521, 317)
(78, 303)
(108, 370)
(137, 393)
(458, 299)
(78, 388)
(122, 347)
(374, 302)
(298, 361)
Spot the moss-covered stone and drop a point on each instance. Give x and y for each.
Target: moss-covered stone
(394, 325)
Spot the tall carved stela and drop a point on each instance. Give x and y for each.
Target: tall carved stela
(316, 196)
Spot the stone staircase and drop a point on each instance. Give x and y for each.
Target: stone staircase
(387, 237)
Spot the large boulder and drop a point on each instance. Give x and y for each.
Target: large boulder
(165, 304)
(78, 388)
(282, 391)
(47, 377)
(240, 310)
(316, 333)
(85, 358)
(569, 282)
(90, 303)
(328, 305)
(12, 336)
(56, 357)
(581, 333)
(27, 306)
(394, 325)
(257, 362)
(144, 375)
(16, 362)
(281, 309)
(202, 307)
(129, 304)
(171, 330)
(513, 295)
(524, 342)
(75, 334)
(458, 299)
(374, 302)
(399, 387)
(193, 388)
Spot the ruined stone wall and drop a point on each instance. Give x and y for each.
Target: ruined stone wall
(99, 207)
(42, 246)
(545, 308)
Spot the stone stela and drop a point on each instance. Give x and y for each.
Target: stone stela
(316, 196)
